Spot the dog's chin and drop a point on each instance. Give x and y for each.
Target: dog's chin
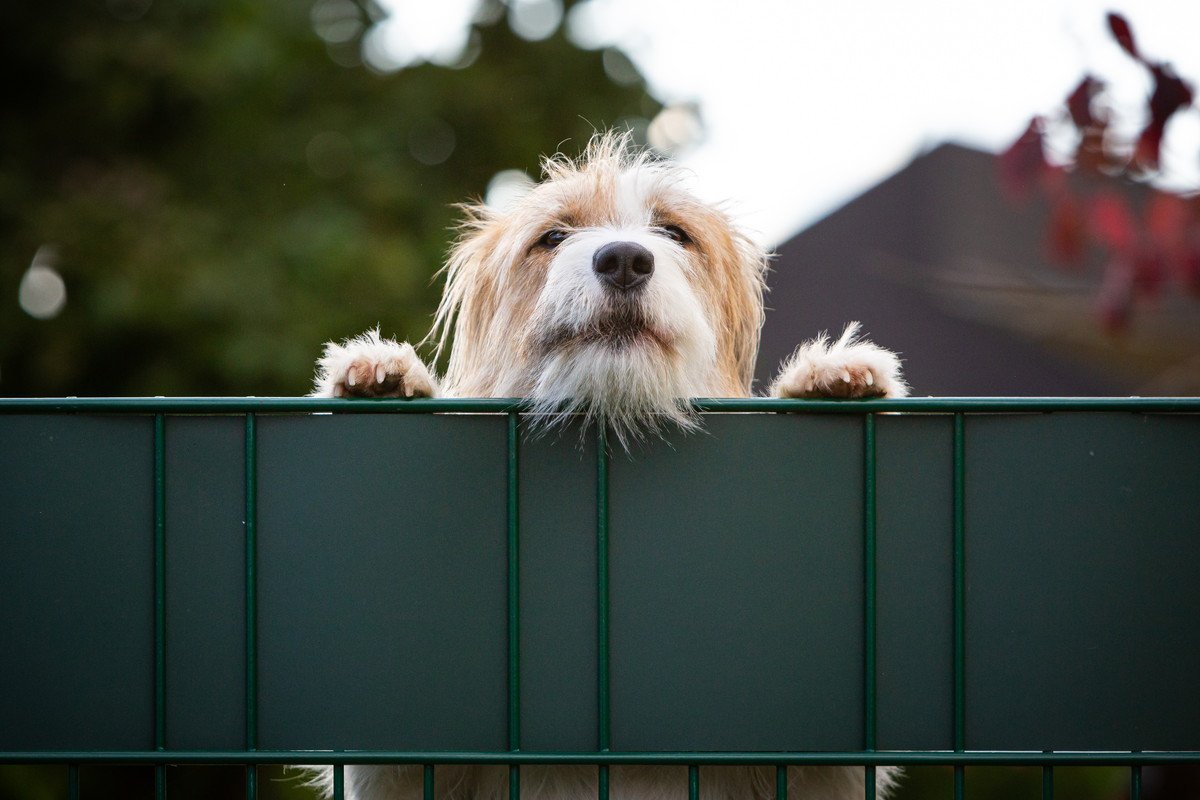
(619, 370)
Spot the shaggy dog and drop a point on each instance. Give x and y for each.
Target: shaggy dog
(611, 292)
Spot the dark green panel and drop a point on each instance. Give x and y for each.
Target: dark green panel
(737, 606)
(206, 632)
(1082, 544)
(382, 582)
(558, 592)
(76, 583)
(914, 583)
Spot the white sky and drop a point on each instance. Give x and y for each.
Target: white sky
(806, 104)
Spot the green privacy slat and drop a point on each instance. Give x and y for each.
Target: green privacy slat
(558, 640)
(76, 583)
(160, 591)
(915, 532)
(514, 587)
(206, 575)
(869, 555)
(1082, 601)
(382, 572)
(251, 588)
(960, 712)
(604, 712)
(733, 552)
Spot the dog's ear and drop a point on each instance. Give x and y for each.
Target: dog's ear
(747, 314)
(470, 286)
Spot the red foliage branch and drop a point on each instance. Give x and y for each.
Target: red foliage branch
(1145, 249)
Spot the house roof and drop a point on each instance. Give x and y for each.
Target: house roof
(940, 266)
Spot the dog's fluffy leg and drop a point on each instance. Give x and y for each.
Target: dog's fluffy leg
(849, 367)
(372, 366)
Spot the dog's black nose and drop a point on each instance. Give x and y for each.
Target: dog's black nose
(623, 265)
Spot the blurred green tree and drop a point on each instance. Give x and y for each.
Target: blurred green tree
(221, 190)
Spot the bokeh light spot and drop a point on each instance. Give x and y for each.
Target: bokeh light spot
(619, 69)
(506, 188)
(42, 293)
(336, 21)
(534, 20)
(431, 141)
(675, 129)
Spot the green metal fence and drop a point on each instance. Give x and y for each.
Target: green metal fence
(902, 582)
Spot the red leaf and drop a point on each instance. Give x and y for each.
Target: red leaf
(1171, 93)
(1148, 148)
(1024, 162)
(1167, 220)
(1079, 102)
(1123, 34)
(1113, 224)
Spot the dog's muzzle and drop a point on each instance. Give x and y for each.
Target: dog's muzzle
(623, 266)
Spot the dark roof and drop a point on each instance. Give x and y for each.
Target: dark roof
(940, 266)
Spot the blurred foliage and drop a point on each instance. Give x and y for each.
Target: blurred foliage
(221, 195)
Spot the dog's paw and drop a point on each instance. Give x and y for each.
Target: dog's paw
(847, 368)
(371, 366)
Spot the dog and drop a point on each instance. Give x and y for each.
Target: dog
(611, 292)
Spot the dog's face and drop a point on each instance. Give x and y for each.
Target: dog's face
(607, 289)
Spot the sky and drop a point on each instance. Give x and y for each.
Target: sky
(804, 105)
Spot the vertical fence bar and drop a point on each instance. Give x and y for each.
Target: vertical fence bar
(72, 782)
(781, 783)
(1135, 783)
(1047, 783)
(160, 602)
(427, 781)
(960, 716)
(251, 592)
(602, 697)
(869, 598)
(514, 600)
(693, 782)
(339, 782)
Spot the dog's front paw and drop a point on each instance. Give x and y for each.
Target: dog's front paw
(846, 368)
(371, 366)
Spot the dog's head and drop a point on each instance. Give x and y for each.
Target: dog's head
(608, 289)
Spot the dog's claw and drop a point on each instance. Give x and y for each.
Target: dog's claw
(870, 378)
(350, 377)
(380, 373)
(845, 376)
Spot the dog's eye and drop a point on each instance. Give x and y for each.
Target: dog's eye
(677, 233)
(553, 238)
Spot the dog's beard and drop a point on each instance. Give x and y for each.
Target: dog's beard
(621, 368)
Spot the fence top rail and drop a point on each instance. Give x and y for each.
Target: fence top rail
(501, 405)
(827, 758)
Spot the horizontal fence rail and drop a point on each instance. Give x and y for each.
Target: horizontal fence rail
(989, 581)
